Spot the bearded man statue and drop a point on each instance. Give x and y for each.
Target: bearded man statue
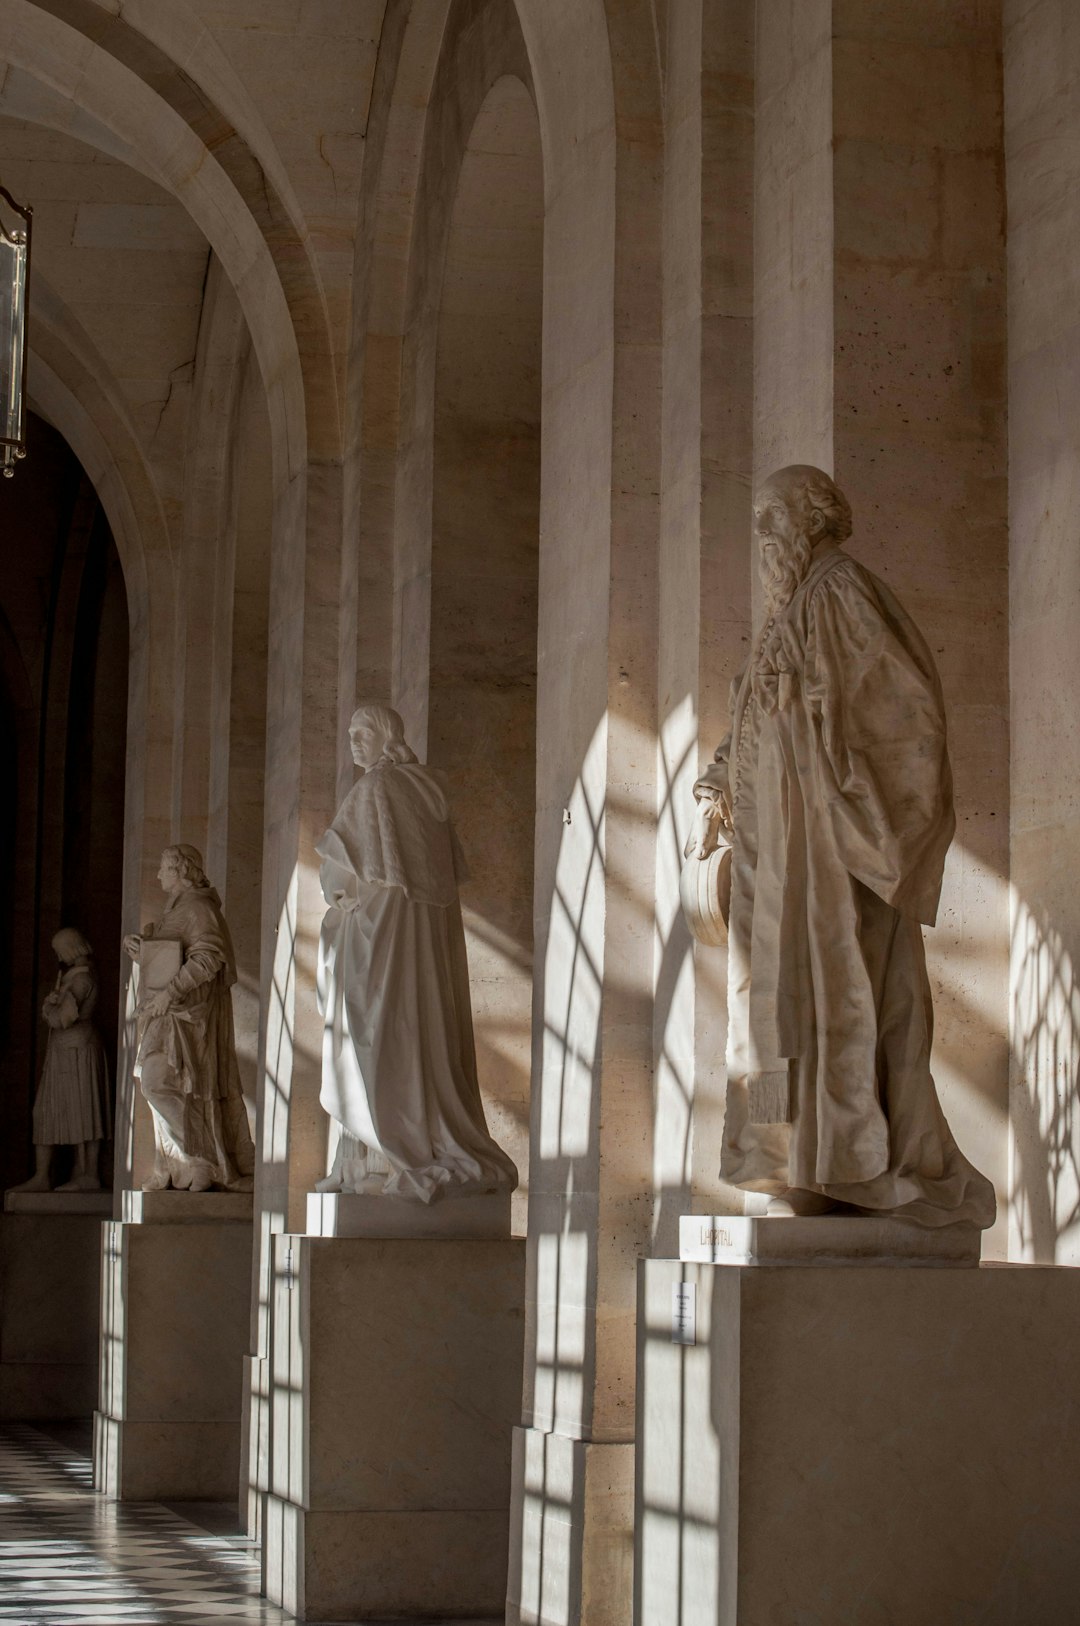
(835, 792)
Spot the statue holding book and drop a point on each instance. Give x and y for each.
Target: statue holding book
(186, 1058)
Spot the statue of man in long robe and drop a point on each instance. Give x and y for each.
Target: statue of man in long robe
(187, 1047)
(835, 789)
(399, 1058)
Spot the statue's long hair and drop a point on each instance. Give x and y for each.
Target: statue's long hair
(807, 488)
(390, 726)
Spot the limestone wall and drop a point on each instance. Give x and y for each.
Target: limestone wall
(1042, 115)
(918, 312)
(879, 353)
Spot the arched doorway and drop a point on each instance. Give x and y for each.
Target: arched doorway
(65, 620)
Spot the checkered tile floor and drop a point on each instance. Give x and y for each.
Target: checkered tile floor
(68, 1557)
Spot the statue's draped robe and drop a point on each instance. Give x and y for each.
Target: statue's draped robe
(199, 1105)
(842, 808)
(72, 1105)
(399, 1058)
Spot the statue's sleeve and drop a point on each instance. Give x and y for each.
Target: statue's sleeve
(880, 758)
(62, 1010)
(205, 951)
(462, 872)
(716, 777)
(337, 878)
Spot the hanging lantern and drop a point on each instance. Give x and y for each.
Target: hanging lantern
(15, 223)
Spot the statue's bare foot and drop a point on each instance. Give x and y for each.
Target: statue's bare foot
(201, 1180)
(81, 1182)
(36, 1182)
(796, 1204)
(246, 1182)
(334, 1181)
(158, 1181)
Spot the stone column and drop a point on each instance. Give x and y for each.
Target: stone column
(311, 653)
(591, 1174)
(704, 561)
(1042, 117)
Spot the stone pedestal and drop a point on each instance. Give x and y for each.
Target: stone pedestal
(186, 1207)
(726, 1239)
(856, 1445)
(50, 1292)
(351, 1213)
(396, 1382)
(176, 1287)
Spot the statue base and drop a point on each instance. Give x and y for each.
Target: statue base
(186, 1207)
(175, 1327)
(828, 1239)
(98, 1203)
(50, 1264)
(395, 1385)
(831, 1444)
(350, 1213)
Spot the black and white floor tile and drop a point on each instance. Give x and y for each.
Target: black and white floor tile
(69, 1557)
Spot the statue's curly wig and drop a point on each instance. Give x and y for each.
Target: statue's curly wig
(189, 864)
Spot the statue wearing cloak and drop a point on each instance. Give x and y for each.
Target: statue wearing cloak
(399, 1059)
(187, 1048)
(839, 792)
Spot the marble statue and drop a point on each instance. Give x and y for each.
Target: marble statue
(72, 1103)
(399, 1061)
(186, 1057)
(833, 792)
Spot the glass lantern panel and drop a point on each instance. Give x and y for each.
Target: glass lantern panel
(13, 255)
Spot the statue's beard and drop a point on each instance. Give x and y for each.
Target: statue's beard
(782, 567)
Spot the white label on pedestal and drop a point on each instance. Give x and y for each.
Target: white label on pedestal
(683, 1313)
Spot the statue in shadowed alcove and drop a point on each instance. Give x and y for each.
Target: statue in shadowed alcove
(72, 1103)
(823, 824)
(399, 1061)
(187, 1052)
